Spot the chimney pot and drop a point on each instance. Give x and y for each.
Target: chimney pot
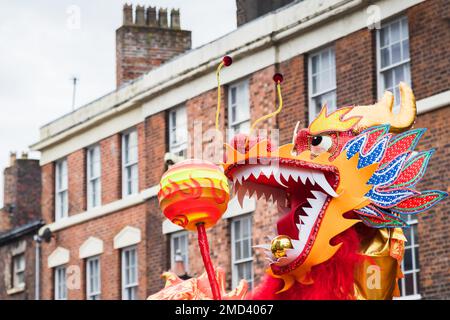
(127, 14)
(24, 155)
(12, 158)
(151, 17)
(175, 19)
(140, 16)
(162, 18)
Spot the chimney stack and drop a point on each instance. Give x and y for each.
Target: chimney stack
(140, 16)
(151, 17)
(162, 18)
(127, 14)
(12, 158)
(175, 19)
(21, 192)
(147, 41)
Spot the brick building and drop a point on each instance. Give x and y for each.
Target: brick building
(101, 164)
(20, 220)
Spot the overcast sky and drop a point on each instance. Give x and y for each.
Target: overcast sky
(42, 46)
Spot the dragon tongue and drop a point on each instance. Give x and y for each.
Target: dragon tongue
(287, 225)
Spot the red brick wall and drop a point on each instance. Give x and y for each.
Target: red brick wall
(202, 110)
(154, 148)
(356, 69)
(158, 250)
(434, 226)
(48, 192)
(429, 37)
(111, 166)
(76, 168)
(295, 97)
(105, 229)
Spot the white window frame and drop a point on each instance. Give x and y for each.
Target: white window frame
(412, 245)
(312, 109)
(234, 261)
(130, 164)
(16, 270)
(131, 287)
(179, 235)
(406, 63)
(178, 147)
(61, 189)
(60, 285)
(242, 88)
(93, 293)
(93, 179)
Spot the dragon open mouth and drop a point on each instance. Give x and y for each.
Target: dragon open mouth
(302, 192)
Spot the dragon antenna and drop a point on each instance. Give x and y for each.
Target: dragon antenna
(226, 61)
(278, 79)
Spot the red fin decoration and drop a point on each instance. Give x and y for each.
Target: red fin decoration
(390, 221)
(401, 143)
(373, 135)
(424, 201)
(413, 170)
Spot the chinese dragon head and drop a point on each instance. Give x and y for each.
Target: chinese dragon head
(343, 188)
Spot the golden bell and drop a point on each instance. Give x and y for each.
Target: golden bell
(279, 245)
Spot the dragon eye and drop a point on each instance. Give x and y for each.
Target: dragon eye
(323, 143)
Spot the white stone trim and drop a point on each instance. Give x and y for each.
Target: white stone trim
(91, 247)
(234, 208)
(271, 39)
(58, 257)
(169, 227)
(103, 210)
(433, 102)
(128, 236)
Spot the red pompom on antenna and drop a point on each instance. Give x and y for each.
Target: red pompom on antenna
(278, 78)
(227, 61)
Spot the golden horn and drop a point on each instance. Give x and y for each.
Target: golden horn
(381, 112)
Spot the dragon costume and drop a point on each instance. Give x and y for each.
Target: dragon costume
(344, 188)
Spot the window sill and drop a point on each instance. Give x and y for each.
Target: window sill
(410, 297)
(17, 290)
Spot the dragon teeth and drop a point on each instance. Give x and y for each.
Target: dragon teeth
(322, 181)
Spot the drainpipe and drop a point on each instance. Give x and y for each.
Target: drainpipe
(37, 267)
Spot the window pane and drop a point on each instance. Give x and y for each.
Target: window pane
(385, 57)
(233, 95)
(247, 248)
(384, 37)
(395, 32)
(405, 49)
(407, 261)
(409, 284)
(396, 53)
(388, 80)
(237, 230)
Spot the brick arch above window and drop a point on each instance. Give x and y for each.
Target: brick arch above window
(91, 247)
(58, 257)
(128, 236)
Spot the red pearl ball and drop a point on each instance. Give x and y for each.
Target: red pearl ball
(278, 78)
(227, 61)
